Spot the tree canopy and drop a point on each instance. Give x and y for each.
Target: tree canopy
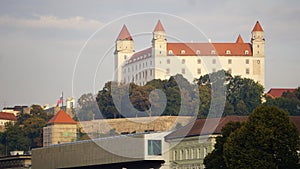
(267, 140)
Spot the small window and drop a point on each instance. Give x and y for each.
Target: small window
(198, 71)
(247, 61)
(246, 52)
(182, 51)
(150, 62)
(159, 52)
(199, 61)
(183, 71)
(213, 52)
(154, 147)
(125, 57)
(228, 52)
(213, 70)
(198, 52)
(229, 61)
(214, 61)
(183, 61)
(247, 71)
(168, 61)
(167, 71)
(170, 52)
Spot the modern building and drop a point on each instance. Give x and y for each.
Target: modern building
(61, 128)
(164, 59)
(17, 109)
(5, 118)
(15, 162)
(143, 151)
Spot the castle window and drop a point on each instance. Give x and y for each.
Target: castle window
(213, 70)
(182, 52)
(159, 52)
(257, 46)
(199, 71)
(246, 52)
(125, 56)
(247, 61)
(170, 52)
(247, 71)
(167, 71)
(139, 66)
(168, 61)
(150, 62)
(213, 52)
(228, 52)
(229, 61)
(199, 61)
(183, 61)
(183, 71)
(198, 52)
(214, 61)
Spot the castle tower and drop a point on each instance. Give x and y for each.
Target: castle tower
(124, 50)
(258, 40)
(159, 41)
(61, 128)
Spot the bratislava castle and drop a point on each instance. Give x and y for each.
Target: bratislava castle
(164, 59)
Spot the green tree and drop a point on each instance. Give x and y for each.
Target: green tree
(33, 129)
(267, 140)
(215, 159)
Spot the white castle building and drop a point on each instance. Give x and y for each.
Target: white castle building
(164, 59)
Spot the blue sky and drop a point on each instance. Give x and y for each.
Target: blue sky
(41, 40)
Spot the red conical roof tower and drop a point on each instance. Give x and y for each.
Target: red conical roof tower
(239, 39)
(257, 27)
(124, 34)
(159, 27)
(61, 118)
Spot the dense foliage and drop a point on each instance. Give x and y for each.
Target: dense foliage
(178, 97)
(26, 133)
(268, 139)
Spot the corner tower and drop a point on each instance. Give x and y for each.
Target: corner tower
(124, 50)
(258, 40)
(159, 41)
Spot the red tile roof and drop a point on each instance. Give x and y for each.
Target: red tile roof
(124, 34)
(7, 116)
(159, 27)
(277, 92)
(257, 27)
(205, 49)
(61, 118)
(214, 126)
(239, 39)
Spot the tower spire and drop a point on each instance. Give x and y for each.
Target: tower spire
(239, 39)
(257, 27)
(124, 34)
(159, 27)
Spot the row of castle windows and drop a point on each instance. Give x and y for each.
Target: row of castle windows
(188, 154)
(141, 65)
(183, 71)
(213, 61)
(213, 52)
(139, 76)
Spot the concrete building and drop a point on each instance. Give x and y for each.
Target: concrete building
(61, 128)
(15, 162)
(143, 151)
(164, 59)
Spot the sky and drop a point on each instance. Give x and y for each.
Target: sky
(49, 47)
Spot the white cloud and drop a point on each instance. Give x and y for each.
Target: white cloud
(49, 21)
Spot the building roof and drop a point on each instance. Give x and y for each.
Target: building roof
(204, 127)
(277, 92)
(143, 54)
(239, 39)
(210, 49)
(124, 34)
(214, 126)
(7, 116)
(61, 118)
(159, 27)
(257, 27)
